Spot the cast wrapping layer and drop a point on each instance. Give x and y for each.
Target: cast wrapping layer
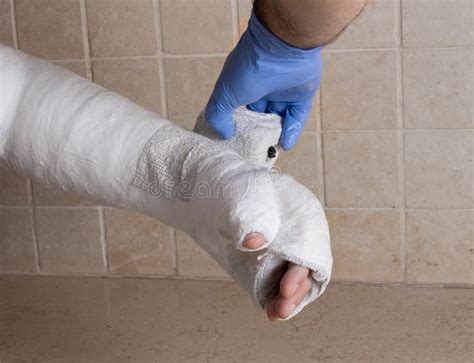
(169, 163)
(255, 133)
(62, 130)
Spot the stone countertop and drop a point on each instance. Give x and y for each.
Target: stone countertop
(144, 320)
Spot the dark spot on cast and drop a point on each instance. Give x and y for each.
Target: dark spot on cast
(271, 153)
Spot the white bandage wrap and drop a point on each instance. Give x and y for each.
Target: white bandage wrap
(62, 130)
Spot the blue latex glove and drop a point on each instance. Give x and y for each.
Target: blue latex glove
(269, 76)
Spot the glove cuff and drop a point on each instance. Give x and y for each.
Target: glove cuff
(265, 39)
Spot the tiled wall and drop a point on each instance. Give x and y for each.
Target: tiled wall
(389, 142)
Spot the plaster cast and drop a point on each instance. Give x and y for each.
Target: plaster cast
(62, 130)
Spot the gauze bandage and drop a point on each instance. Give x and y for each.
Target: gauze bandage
(256, 135)
(65, 131)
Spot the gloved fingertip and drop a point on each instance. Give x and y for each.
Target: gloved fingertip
(222, 124)
(258, 106)
(226, 132)
(293, 124)
(223, 128)
(277, 108)
(290, 136)
(287, 145)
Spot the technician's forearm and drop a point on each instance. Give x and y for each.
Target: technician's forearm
(307, 23)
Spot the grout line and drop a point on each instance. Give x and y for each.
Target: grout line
(399, 16)
(86, 41)
(130, 57)
(165, 55)
(235, 21)
(66, 206)
(31, 204)
(449, 285)
(137, 57)
(435, 209)
(161, 63)
(29, 192)
(103, 240)
(68, 61)
(35, 240)
(112, 276)
(382, 209)
(447, 130)
(358, 50)
(396, 48)
(320, 151)
(401, 155)
(402, 200)
(176, 259)
(209, 55)
(439, 209)
(14, 25)
(360, 131)
(164, 99)
(15, 206)
(414, 209)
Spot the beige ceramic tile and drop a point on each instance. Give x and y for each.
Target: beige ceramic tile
(437, 23)
(189, 84)
(136, 79)
(50, 29)
(13, 188)
(193, 261)
(16, 240)
(315, 115)
(359, 90)
(6, 29)
(245, 9)
(440, 246)
(365, 245)
(77, 67)
(44, 196)
(375, 27)
(198, 26)
(69, 240)
(302, 161)
(437, 88)
(361, 169)
(138, 244)
(121, 27)
(438, 170)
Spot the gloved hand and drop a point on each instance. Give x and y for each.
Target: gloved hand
(267, 75)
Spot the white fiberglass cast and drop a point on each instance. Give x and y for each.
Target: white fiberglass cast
(62, 130)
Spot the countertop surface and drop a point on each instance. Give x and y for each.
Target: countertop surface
(168, 320)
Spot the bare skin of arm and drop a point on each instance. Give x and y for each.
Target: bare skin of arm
(302, 24)
(307, 23)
